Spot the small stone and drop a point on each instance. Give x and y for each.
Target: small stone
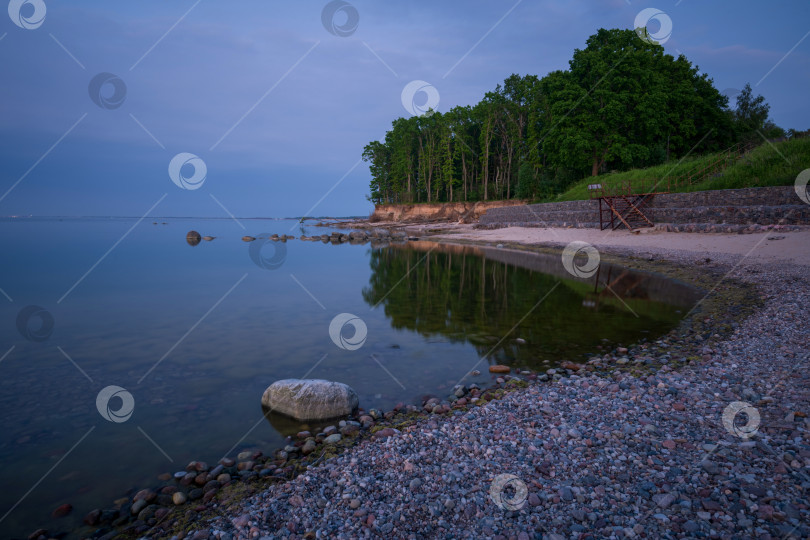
(62, 511)
(498, 368)
(93, 517)
(386, 432)
(224, 478)
(308, 447)
(710, 467)
(668, 444)
(179, 498)
(333, 439)
(355, 504)
(663, 500)
(710, 505)
(415, 483)
(691, 527)
(137, 506)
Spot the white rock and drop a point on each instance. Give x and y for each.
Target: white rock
(310, 399)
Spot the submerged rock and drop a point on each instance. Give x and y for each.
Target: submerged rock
(310, 399)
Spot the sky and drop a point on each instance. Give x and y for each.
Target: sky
(262, 109)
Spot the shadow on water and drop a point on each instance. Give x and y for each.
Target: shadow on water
(287, 426)
(498, 299)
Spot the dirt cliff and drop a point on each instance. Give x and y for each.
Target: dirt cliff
(416, 213)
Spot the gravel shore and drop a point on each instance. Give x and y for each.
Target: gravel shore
(602, 454)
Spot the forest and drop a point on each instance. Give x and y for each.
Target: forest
(622, 104)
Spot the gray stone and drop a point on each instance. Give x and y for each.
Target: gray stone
(333, 439)
(663, 500)
(137, 506)
(310, 399)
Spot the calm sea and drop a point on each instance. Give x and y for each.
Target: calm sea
(128, 352)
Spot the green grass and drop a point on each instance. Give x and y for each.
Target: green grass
(767, 165)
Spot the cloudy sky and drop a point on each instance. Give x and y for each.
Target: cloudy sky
(277, 99)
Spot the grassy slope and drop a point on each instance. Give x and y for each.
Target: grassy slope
(766, 165)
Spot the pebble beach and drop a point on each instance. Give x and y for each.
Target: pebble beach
(713, 446)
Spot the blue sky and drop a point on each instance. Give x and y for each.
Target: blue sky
(279, 109)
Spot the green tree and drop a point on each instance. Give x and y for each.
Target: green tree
(750, 115)
(623, 103)
(527, 182)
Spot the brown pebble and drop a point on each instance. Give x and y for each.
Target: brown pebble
(62, 511)
(669, 444)
(498, 368)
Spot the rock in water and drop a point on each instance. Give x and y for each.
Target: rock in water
(310, 399)
(193, 238)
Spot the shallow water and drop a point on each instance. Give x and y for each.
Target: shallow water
(196, 333)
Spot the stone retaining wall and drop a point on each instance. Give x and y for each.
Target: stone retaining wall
(761, 206)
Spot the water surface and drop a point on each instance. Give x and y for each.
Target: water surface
(195, 333)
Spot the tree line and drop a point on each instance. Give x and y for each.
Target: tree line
(622, 104)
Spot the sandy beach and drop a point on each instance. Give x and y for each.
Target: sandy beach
(771, 246)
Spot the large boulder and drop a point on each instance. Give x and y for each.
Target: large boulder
(310, 399)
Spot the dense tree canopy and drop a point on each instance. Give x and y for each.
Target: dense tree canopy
(622, 103)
